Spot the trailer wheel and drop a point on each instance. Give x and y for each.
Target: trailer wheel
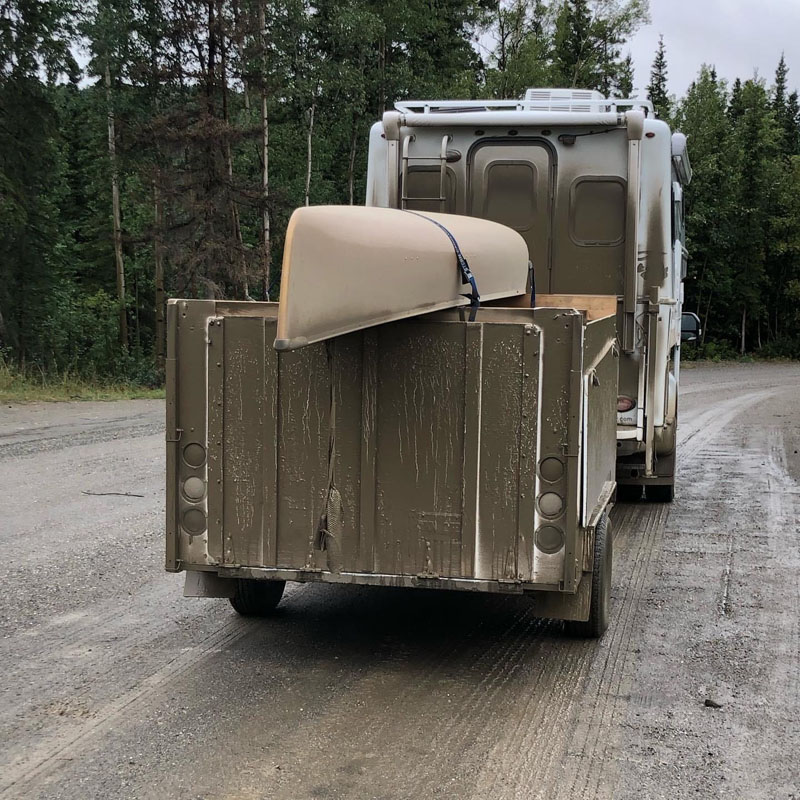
(257, 598)
(664, 493)
(600, 609)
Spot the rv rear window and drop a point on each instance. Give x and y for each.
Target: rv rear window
(597, 211)
(511, 194)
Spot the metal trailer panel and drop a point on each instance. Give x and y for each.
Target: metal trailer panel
(439, 430)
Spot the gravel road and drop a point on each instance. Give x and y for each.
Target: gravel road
(112, 685)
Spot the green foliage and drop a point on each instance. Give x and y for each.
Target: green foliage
(743, 222)
(186, 81)
(565, 43)
(657, 88)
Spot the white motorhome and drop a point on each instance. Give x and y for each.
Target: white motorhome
(595, 187)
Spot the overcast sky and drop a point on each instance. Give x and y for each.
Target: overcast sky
(737, 36)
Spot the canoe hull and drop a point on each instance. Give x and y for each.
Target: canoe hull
(346, 268)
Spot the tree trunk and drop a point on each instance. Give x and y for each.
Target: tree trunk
(308, 154)
(382, 73)
(116, 214)
(158, 279)
(352, 162)
(240, 275)
(266, 241)
(706, 316)
(744, 324)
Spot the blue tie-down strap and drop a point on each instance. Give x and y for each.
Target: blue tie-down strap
(467, 277)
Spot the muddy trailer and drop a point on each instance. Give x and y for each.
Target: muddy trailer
(434, 452)
(418, 444)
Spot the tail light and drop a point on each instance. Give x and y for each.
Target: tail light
(625, 404)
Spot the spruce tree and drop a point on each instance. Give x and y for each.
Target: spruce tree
(784, 107)
(572, 57)
(736, 104)
(701, 115)
(657, 88)
(623, 83)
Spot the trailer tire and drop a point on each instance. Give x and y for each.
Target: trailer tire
(257, 598)
(660, 493)
(600, 609)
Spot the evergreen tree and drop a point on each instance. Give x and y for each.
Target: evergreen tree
(34, 52)
(709, 202)
(657, 88)
(573, 65)
(785, 109)
(211, 105)
(755, 146)
(587, 40)
(623, 83)
(736, 103)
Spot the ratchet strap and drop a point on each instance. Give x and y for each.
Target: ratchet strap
(463, 267)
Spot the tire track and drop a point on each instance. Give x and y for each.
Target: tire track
(784, 507)
(705, 427)
(531, 760)
(590, 779)
(23, 773)
(533, 714)
(528, 759)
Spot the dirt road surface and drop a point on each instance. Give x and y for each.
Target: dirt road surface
(112, 685)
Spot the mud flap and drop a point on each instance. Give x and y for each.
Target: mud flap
(560, 605)
(207, 584)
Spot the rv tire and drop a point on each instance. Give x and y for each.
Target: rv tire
(660, 493)
(629, 493)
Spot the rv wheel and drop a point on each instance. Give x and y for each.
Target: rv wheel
(600, 610)
(628, 493)
(255, 598)
(660, 493)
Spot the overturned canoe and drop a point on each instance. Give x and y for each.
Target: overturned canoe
(349, 267)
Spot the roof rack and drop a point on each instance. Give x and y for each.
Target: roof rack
(552, 100)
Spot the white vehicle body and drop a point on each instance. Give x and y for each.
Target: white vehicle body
(595, 186)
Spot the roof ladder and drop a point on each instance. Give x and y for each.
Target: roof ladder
(407, 159)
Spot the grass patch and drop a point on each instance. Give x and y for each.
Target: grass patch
(17, 387)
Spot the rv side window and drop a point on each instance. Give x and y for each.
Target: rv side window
(678, 224)
(597, 211)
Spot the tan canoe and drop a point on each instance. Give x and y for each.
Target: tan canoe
(350, 267)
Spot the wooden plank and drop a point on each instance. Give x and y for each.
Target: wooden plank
(369, 445)
(471, 485)
(595, 306)
(303, 438)
(529, 413)
(173, 439)
(244, 418)
(270, 438)
(216, 375)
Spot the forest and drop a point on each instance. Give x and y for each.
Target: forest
(156, 148)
